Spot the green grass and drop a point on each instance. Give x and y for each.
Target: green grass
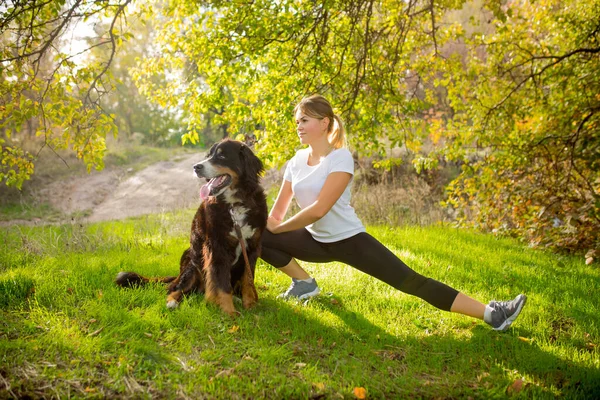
(67, 331)
(27, 210)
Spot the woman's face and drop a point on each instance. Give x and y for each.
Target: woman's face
(310, 129)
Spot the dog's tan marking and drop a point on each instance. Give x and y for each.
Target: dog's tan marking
(224, 301)
(249, 294)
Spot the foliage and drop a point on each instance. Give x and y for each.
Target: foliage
(44, 86)
(134, 113)
(527, 111)
(255, 60)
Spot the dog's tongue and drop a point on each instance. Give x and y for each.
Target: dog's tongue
(205, 189)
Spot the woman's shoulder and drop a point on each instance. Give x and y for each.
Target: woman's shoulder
(341, 153)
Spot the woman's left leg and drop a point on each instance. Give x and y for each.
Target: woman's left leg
(466, 305)
(368, 255)
(365, 253)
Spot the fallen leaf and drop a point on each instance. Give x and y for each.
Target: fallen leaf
(89, 389)
(589, 260)
(234, 329)
(225, 372)
(334, 302)
(300, 365)
(319, 386)
(91, 321)
(148, 334)
(96, 332)
(360, 392)
(100, 294)
(526, 340)
(516, 387)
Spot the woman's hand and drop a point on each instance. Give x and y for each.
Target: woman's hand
(272, 224)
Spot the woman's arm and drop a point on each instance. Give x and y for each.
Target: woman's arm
(282, 202)
(334, 186)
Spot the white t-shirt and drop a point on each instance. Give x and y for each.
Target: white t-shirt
(307, 181)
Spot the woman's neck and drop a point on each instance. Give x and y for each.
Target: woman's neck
(320, 149)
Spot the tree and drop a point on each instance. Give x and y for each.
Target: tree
(132, 111)
(527, 110)
(46, 87)
(258, 58)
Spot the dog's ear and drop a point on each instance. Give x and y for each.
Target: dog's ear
(252, 167)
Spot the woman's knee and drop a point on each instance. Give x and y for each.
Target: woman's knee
(267, 239)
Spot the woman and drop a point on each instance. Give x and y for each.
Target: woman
(327, 229)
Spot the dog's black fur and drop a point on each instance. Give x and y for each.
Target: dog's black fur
(214, 264)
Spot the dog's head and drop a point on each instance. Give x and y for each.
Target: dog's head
(229, 164)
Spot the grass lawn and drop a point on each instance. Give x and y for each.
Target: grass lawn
(67, 331)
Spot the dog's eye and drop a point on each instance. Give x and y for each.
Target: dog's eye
(220, 156)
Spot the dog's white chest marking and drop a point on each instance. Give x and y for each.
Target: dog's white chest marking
(238, 215)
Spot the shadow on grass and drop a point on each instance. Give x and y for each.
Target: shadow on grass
(279, 350)
(487, 361)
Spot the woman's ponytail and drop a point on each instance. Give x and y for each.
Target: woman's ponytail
(337, 137)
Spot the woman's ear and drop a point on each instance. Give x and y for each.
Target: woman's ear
(325, 123)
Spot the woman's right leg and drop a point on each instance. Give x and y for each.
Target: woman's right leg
(294, 270)
(280, 250)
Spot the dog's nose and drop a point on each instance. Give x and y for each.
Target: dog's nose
(198, 167)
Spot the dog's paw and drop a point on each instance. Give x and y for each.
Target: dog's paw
(171, 305)
(249, 303)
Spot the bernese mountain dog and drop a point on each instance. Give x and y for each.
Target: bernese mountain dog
(214, 263)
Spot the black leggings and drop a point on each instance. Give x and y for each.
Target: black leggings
(361, 251)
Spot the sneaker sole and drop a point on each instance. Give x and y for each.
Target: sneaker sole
(310, 294)
(506, 324)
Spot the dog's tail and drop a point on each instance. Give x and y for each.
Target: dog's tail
(131, 279)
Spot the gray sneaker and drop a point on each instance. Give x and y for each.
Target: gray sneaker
(301, 290)
(505, 312)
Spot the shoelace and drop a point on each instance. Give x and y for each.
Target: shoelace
(500, 306)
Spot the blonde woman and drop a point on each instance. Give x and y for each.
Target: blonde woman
(327, 228)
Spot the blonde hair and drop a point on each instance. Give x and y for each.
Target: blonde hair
(317, 106)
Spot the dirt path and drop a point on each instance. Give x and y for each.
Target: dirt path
(118, 193)
(163, 186)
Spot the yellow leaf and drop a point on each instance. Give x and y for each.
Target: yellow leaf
(360, 392)
(234, 329)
